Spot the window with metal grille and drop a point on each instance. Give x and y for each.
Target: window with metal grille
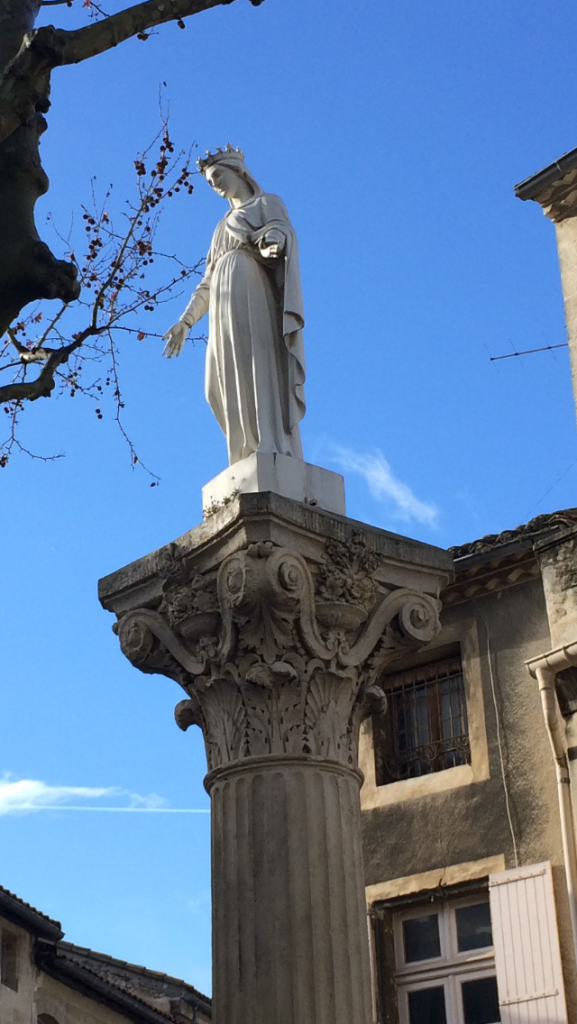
(425, 728)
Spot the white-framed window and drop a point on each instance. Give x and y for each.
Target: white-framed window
(444, 963)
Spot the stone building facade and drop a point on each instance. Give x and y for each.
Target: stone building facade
(468, 798)
(44, 980)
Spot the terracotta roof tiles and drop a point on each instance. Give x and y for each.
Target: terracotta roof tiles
(80, 953)
(536, 527)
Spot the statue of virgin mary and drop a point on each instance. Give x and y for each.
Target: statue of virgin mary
(255, 367)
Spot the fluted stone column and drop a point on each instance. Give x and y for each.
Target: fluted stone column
(289, 912)
(278, 621)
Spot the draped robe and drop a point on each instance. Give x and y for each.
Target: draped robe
(255, 367)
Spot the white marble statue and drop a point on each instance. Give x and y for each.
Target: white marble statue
(251, 290)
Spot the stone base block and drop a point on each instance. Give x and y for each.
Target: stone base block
(281, 474)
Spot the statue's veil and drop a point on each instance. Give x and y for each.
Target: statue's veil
(243, 172)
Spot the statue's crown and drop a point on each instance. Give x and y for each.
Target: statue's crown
(229, 154)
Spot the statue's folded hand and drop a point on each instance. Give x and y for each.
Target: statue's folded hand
(175, 338)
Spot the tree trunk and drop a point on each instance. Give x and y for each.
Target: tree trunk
(28, 270)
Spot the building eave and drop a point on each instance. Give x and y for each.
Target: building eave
(103, 961)
(532, 187)
(502, 560)
(15, 910)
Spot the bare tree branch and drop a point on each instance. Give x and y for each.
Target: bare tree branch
(24, 86)
(20, 391)
(119, 283)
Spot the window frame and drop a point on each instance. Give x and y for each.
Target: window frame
(405, 700)
(453, 993)
(464, 632)
(448, 970)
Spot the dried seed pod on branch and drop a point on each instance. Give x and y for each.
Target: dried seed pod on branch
(28, 55)
(123, 278)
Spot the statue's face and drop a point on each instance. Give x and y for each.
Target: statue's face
(224, 181)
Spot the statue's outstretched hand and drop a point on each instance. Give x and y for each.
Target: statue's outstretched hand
(272, 244)
(175, 338)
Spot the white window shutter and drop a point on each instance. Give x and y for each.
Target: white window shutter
(526, 941)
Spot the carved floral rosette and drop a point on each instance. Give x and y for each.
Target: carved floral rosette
(277, 658)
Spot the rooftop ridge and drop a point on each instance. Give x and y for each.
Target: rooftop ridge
(538, 525)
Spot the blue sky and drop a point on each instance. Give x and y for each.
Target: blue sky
(395, 133)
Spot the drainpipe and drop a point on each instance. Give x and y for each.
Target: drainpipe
(545, 670)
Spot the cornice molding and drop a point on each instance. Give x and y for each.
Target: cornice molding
(559, 199)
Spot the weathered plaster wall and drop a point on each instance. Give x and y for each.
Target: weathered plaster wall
(69, 1007)
(469, 823)
(559, 567)
(16, 1007)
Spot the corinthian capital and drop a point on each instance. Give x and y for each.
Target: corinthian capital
(277, 653)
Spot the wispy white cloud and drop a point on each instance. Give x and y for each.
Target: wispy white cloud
(20, 795)
(385, 486)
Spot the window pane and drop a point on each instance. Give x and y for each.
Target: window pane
(421, 937)
(427, 1006)
(481, 1002)
(422, 725)
(474, 927)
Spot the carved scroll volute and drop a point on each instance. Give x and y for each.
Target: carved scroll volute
(418, 617)
(150, 644)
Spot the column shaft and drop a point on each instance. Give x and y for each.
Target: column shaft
(290, 938)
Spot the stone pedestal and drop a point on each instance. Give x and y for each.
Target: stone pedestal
(281, 474)
(278, 620)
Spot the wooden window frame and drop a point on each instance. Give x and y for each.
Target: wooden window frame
(449, 969)
(452, 989)
(427, 677)
(395, 978)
